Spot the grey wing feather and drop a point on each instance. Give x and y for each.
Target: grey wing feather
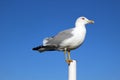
(56, 40)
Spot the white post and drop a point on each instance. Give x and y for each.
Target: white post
(72, 70)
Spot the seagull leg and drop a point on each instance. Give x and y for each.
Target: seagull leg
(69, 55)
(68, 58)
(65, 53)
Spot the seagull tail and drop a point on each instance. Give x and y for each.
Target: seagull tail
(44, 48)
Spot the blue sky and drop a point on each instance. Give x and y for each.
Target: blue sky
(25, 23)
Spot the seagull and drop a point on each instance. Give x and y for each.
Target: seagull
(66, 40)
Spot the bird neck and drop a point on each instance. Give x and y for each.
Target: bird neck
(81, 28)
(79, 24)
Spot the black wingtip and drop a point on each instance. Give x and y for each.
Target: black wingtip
(36, 48)
(39, 48)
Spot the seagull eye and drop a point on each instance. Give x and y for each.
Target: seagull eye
(83, 18)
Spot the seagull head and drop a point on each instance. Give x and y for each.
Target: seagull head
(83, 21)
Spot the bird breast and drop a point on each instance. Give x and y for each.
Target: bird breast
(76, 40)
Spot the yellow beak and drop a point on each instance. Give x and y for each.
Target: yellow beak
(90, 21)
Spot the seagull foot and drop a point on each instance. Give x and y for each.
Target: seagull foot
(69, 61)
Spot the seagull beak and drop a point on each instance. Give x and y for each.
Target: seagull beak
(90, 21)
